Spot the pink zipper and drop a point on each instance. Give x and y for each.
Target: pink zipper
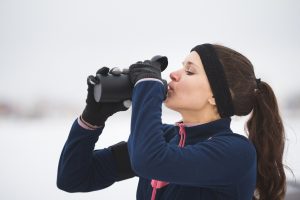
(156, 184)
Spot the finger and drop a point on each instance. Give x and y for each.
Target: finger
(103, 71)
(91, 80)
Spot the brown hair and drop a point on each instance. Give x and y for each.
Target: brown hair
(264, 127)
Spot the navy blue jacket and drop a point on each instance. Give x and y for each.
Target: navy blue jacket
(215, 163)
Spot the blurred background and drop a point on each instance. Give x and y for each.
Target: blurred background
(48, 48)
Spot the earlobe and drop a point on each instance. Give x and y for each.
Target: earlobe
(212, 101)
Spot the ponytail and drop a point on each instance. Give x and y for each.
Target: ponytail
(265, 128)
(266, 132)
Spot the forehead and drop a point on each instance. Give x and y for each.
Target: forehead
(193, 59)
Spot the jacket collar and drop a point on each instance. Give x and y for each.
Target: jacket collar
(200, 132)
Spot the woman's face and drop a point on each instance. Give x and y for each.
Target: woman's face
(189, 89)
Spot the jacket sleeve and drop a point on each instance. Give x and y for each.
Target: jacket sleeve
(218, 161)
(83, 169)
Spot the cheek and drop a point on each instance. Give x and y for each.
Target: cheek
(194, 97)
(191, 95)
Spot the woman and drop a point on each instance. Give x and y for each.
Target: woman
(198, 157)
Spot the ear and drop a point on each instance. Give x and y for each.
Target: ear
(212, 101)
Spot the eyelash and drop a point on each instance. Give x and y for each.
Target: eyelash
(189, 73)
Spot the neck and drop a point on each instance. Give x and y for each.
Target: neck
(196, 117)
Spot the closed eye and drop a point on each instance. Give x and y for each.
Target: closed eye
(189, 72)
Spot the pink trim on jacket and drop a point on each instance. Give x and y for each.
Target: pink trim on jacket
(156, 184)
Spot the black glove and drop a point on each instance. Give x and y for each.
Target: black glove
(96, 113)
(146, 69)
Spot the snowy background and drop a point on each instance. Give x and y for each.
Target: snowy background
(48, 48)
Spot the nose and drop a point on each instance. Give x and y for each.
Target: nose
(174, 76)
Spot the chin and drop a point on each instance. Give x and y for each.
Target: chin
(168, 103)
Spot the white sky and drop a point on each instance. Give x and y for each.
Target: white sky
(48, 48)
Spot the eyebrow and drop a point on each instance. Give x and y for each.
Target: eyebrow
(189, 63)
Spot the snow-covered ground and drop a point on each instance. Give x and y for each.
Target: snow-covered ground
(30, 150)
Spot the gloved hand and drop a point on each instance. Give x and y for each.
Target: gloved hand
(96, 113)
(146, 69)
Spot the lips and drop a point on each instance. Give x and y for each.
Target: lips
(170, 87)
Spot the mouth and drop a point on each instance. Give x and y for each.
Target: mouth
(170, 91)
(170, 88)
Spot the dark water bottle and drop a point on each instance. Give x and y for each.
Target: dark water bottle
(116, 87)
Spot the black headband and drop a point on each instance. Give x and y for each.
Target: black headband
(216, 76)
